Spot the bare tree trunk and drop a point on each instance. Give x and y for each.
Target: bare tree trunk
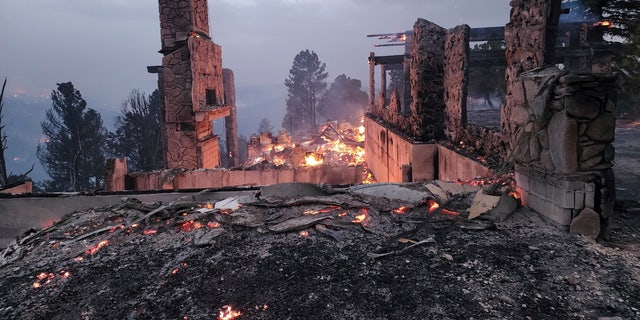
(3, 141)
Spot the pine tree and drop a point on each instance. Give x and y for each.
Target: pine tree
(74, 155)
(265, 126)
(344, 100)
(306, 85)
(138, 132)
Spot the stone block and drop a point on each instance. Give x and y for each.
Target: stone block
(582, 106)
(482, 203)
(587, 223)
(564, 144)
(602, 129)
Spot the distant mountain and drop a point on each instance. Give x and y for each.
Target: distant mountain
(257, 102)
(22, 117)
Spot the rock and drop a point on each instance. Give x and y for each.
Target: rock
(543, 137)
(582, 106)
(563, 143)
(482, 203)
(206, 237)
(591, 151)
(587, 223)
(573, 78)
(610, 318)
(546, 161)
(452, 188)
(437, 192)
(590, 163)
(603, 128)
(391, 191)
(506, 206)
(535, 148)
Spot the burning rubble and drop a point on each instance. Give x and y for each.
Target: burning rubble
(304, 251)
(335, 144)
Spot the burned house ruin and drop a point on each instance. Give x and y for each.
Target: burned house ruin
(556, 128)
(556, 125)
(195, 90)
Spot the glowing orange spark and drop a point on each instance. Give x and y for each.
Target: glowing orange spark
(401, 210)
(65, 274)
(36, 285)
(213, 224)
(433, 205)
(227, 313)
(303, 234)
(175, 271)
(97, 247)
(342, 214)
(149, 231)
(313, 159)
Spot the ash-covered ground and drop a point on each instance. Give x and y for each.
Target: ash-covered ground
(326, 255)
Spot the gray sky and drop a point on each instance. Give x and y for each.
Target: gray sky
(104, 46)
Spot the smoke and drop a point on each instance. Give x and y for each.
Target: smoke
(578, 12)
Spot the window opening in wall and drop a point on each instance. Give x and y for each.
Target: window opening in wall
(395, 82)
(212, 98)
(487, 86)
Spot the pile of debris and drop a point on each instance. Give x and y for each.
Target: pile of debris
(335, 144)
(291, 251)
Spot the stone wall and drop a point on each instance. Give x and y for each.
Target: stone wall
(181, 17)
(456, 79)
(427, 79)
(526, 43)
(191, 85)
(565, 139)
(231, 121)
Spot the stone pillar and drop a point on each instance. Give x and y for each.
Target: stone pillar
(427, 77)
(372, 81)
(383, 86)
(456, 78)
(191, 85)
(179, 18)
(231, 121)
(529, 38)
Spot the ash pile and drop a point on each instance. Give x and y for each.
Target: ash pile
(385, 251)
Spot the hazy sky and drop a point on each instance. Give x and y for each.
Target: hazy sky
(104, 46)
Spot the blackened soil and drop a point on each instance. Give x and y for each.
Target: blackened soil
(520, 269)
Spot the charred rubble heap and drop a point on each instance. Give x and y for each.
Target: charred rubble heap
(556, 125)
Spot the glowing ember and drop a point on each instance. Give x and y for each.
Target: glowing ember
(303, 234)
(401, 210)
(65, 274)
(362, 218)
(190, 225)
(313, 159)
(343, 214)
(213, 224)
(604, 23)
(149, 231)
(78, 258)
(97, 247)
(175, 271)
(433, 205)
(227, 313)
(36, 285)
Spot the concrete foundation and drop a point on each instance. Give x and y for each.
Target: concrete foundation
(559, 198)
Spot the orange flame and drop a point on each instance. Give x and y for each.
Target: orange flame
(313, 160)
(401, 210)
(362, 218)
(227, 313)
(213, 224)
(515, 194)
(604, 23)
(97, 247)
(433, 205)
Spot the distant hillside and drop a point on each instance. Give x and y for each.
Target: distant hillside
(257, 102)
(22, 117)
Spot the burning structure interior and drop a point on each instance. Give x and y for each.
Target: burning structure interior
(557, 125)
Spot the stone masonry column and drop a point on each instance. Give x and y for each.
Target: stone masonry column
(231, 121)
(427, 78)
